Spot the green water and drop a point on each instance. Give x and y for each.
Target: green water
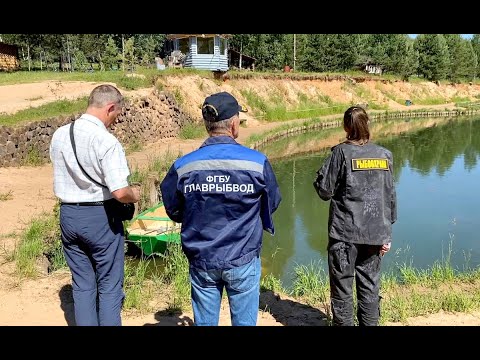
(437, 180)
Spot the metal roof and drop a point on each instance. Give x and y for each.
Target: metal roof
(182, 36)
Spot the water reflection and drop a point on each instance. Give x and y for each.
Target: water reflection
(435, 165)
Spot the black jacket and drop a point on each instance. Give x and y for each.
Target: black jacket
(359, 181)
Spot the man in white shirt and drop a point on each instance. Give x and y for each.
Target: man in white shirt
(92, 232)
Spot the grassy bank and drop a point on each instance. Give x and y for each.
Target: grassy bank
(147, 78)
(409, 292)
(44, 112)
(41, 239)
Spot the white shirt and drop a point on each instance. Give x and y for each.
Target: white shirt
(101, 155)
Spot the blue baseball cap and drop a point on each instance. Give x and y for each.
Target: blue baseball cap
(220, 106)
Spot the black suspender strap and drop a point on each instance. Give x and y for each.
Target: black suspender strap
(72, 139)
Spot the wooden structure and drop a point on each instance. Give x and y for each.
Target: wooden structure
(9, 57)
(373, 69)
(239, 60)
(152, 230)
(199, 51)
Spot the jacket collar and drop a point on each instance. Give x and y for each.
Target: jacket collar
(222, 139)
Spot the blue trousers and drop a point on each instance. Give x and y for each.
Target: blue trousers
(93, 244)
(243, 291)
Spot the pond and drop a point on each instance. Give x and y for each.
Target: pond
(436, 172)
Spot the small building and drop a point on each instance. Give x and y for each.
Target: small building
(238, 60)
(199, 51)
(9, 57)
(373, 69)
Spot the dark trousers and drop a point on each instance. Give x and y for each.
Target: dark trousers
(346, 261)
(93, 244)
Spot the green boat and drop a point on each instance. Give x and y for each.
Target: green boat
(152, 230)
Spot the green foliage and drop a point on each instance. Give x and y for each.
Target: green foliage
(193, 131)
(434, 58)
(133, 146)
(137, 293)
(176, 273)
(311, 282)
(396, 54)
(53, 109)
(270, 282)
(111, 56)
(33, 158)
(178, 96)
(42, 236)
(130, 56)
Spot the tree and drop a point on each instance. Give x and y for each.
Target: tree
(130, 59)
(148, 46)
(471, 60)
(457, 54)
(401, 58)
(111, 55)
(476, 48)
(433, 56)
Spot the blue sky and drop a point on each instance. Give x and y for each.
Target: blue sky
(466, 36)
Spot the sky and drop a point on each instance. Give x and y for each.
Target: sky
(466, 36)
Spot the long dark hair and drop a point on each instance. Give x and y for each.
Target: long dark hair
(355, 123)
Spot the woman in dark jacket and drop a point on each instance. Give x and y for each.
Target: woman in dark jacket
(357, 178)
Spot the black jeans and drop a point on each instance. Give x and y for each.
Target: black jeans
(346, 261)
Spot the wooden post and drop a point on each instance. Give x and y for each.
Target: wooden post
(150, 189)
(240, 57)
(294, 51)
(123, 55)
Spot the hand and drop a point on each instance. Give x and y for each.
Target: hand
(136, 193)
(385, 248)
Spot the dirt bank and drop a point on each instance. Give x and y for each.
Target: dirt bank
(47, 300)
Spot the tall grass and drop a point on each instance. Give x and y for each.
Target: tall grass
(406, 293)
(193, 131)
(40, 238)
(138, 293)
(311, 283)
(176, 274)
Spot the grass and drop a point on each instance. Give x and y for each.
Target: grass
(311, 284)
(6, 195)
(413, 293)
(274, 108)
(43, 112)
(176, 274)
(118, 77)
(33, 158)
(133, 146)
(193, 131)
(306, 123)
(138, 292)
(39, 238)
(408, 293)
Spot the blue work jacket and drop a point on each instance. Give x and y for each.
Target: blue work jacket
(224, 194)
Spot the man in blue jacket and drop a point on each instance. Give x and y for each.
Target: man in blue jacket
(224, 194)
